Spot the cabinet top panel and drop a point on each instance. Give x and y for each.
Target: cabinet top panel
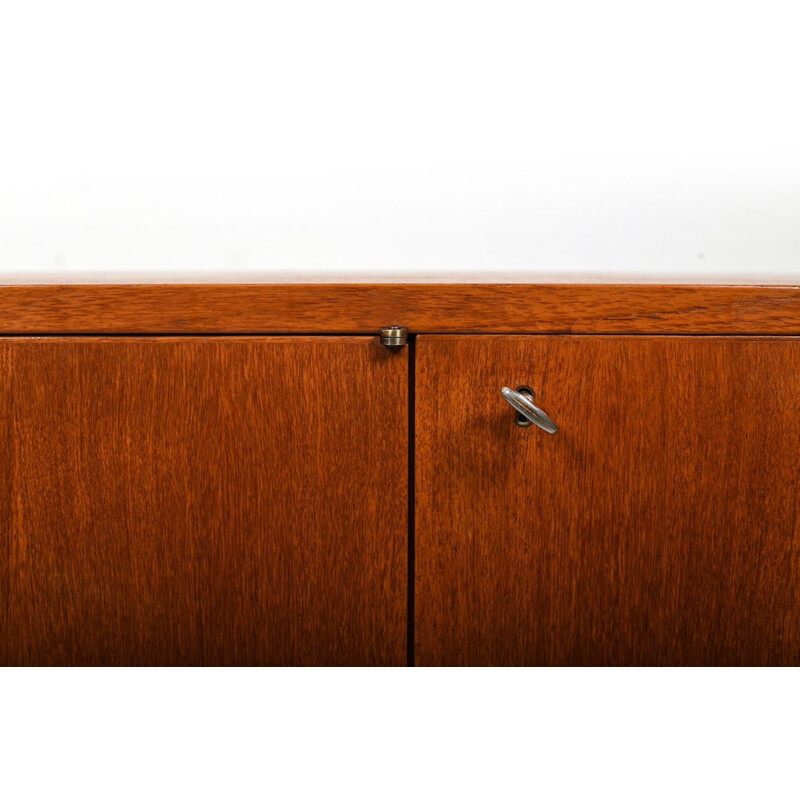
(463, 225)
(182, 309)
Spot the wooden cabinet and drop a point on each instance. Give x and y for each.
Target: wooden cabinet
(660, 525)
(244, 475)
(203, 501)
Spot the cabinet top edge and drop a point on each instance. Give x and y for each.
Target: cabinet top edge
(342, 308)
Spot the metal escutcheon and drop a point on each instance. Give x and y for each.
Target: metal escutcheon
(528, 410)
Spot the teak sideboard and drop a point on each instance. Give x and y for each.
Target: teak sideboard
(330, 475)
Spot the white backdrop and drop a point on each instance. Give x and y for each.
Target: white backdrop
(506, 141)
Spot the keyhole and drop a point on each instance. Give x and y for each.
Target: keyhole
(522, 421)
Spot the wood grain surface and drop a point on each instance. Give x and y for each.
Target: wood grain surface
(202, 502)
(431, 308)
(659, 526)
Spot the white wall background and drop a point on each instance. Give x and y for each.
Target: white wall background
(194, 141)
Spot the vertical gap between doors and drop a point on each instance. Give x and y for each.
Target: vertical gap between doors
(412, 430)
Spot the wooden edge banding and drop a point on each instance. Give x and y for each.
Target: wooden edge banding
(422, 308)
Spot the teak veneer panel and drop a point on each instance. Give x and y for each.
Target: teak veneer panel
(202, 502)
(432, 308)
(659, 526)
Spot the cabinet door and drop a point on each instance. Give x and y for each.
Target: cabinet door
(214, 500)
(660, 525)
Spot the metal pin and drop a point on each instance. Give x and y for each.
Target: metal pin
(394, 336)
